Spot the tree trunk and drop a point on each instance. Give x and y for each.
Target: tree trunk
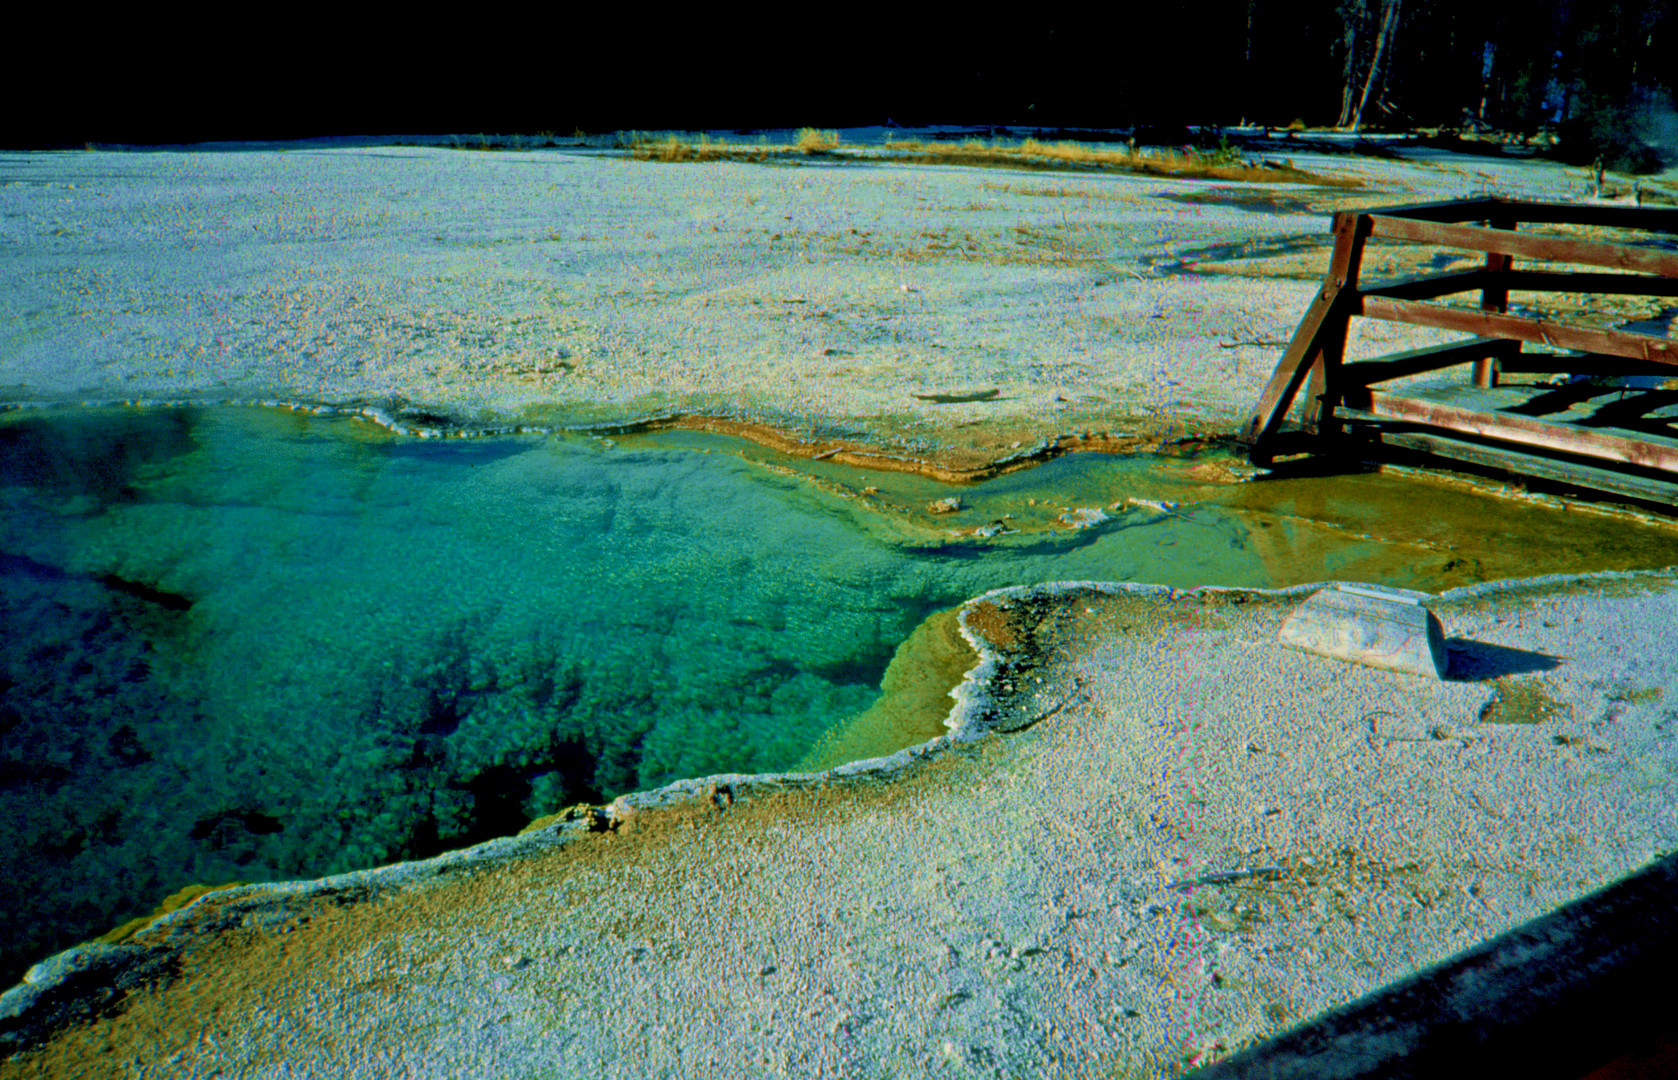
(1487, 62)
(1388, 18)
(1247, 61)
(1353, 14)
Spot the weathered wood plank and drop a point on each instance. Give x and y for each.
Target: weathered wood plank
(1519, 328)
(1609, 481)
(1522, 430)
(1590, 406)
(1343, 269)
(1551, 999)
(1508, 242)
(1430, 286)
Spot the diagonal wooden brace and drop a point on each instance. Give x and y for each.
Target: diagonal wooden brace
(1315, 349)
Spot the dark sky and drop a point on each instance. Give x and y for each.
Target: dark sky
(152, 75)
(152, 79)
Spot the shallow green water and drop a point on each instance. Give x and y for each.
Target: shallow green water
(251, 644)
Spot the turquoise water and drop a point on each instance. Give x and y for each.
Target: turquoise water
(249, 644)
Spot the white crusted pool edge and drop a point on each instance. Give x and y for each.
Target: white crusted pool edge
(32, 1006)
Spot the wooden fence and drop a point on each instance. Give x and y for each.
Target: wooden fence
(1628, 453)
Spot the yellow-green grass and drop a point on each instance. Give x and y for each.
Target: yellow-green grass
(173, 902)
(673, 147)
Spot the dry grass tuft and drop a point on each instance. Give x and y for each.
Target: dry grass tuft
(816, 141)
(675, 148)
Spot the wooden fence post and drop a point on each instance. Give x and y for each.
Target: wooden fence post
(1494, 297)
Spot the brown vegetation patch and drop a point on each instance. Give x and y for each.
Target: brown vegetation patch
(1258, 201)
(1522, 701)
(1346, 885)
(1033, 155)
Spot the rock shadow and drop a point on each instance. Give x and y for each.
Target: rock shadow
(1479, 661)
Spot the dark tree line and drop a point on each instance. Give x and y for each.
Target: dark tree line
(1598, 73)
(1590, 69)
(1522, 67)
(1427, 63)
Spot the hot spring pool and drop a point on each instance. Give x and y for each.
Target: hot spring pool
(252, 644)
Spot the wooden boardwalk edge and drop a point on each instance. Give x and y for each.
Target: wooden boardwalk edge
(1554, 998)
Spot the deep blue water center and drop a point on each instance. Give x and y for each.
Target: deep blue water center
(247, 644)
